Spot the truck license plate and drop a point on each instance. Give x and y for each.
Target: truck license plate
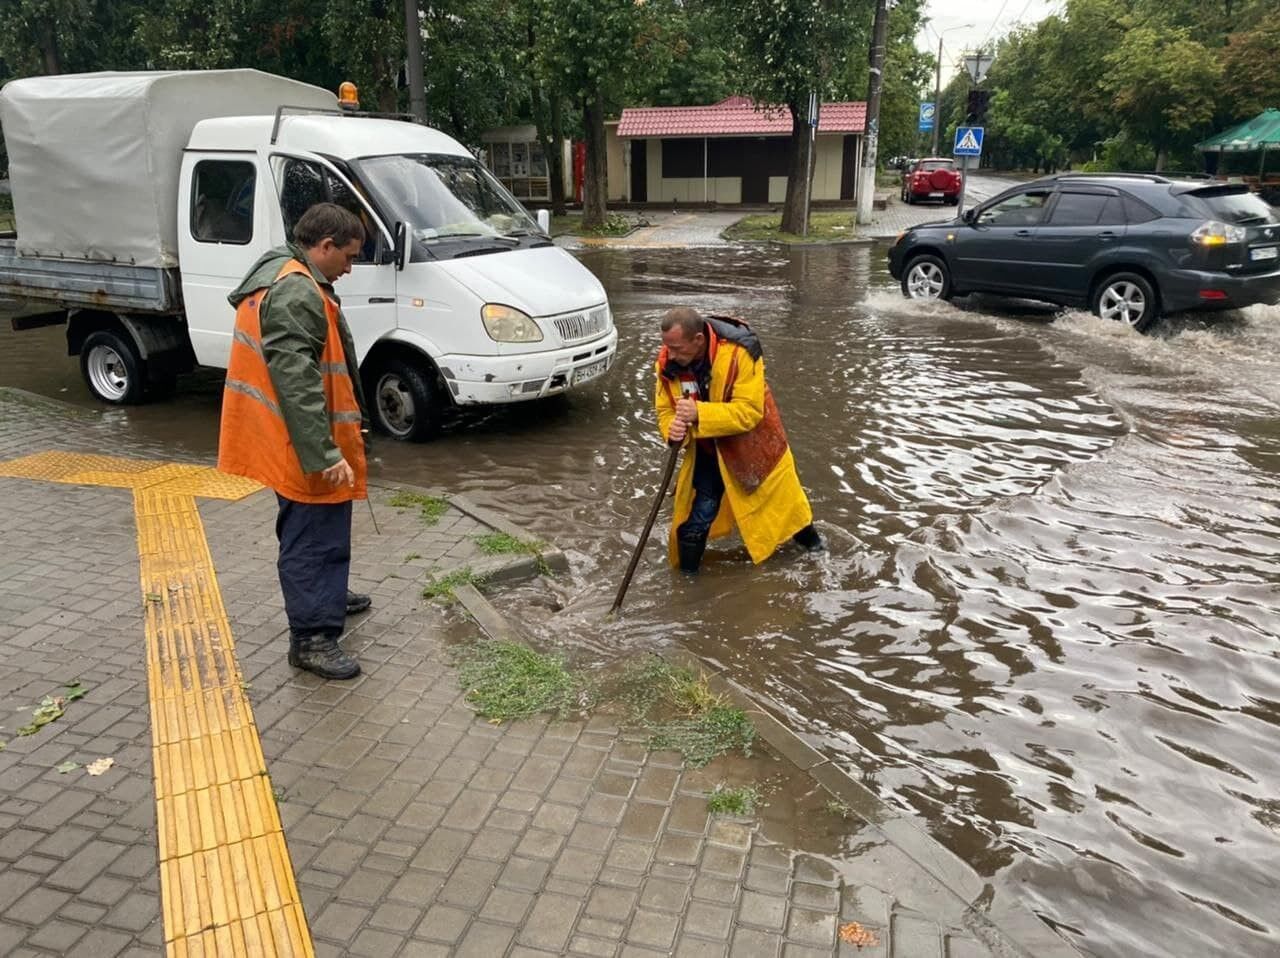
(1266, 252)
(590, 371)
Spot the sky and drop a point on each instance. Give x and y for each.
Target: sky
(990, 19)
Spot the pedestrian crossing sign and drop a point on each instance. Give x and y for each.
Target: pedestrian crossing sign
(968, 141)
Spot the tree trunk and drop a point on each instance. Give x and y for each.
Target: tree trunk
(386, 87)
(595, 192)
(49, 49)
(556, 160)
(793, 208)
(1162, 157)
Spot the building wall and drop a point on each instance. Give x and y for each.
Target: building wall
(619, 170)
(828, 161)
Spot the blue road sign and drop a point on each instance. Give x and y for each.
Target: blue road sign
(926, 117)
(968, 141)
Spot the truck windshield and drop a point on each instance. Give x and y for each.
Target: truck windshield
(446, 198)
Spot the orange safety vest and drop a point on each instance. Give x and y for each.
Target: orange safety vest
(254, 439)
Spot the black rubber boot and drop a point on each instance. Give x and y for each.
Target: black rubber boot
(357, 603)
(320, 654)
(690, 552)
(809, 540)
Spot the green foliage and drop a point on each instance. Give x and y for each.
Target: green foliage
(445, 586)
(507, 680)
(430, 508)
(733, 800)
(700, 739)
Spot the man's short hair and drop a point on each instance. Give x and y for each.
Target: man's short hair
(328, 220)
(687, 319)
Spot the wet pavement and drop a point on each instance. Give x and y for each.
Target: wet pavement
(1048, 620)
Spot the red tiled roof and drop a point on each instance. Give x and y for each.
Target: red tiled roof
(735, 116)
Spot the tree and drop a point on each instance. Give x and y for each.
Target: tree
(366, 46)
(783, 50)
(1162, 85)
(589, 45)
(44, 36)
(907, 72)
(1250, 78)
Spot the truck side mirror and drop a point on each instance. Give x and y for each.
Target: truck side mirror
(402, 244)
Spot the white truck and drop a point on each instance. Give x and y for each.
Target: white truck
(142, 199)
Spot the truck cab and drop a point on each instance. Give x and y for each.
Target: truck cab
(458, 298)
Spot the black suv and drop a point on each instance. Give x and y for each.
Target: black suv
(1131, 247)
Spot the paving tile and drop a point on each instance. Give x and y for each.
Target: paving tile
(549, 924)
(811, 927)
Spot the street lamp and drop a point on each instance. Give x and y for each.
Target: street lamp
(937, 89)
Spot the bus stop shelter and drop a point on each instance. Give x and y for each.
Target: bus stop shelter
(1246, 150)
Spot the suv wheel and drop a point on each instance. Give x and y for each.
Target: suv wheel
(926, 277)
(1127, 298)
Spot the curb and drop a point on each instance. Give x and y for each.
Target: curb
(1005, 926)
(498, 569)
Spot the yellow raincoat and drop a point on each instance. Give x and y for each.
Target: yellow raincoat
(777, 508)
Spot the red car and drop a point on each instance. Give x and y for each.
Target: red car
(934, 178)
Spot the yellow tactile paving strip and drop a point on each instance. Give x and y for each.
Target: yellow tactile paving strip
(226, 880)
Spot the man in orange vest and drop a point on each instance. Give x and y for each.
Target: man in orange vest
(292, 418)
(739, 470)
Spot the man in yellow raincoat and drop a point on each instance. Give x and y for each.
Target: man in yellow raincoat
(739, 469)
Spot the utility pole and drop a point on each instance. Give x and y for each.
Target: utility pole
(937, 99)
(413, 65)
(867, 187)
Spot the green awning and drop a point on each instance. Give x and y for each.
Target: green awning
(1260, 133)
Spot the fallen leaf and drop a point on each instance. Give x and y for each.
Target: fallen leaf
(99, 766)
(75, 691)
(854, 934)
(154, 597)
(67, 767)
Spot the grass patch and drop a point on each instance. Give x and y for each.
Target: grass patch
(507, 680)
(766, 227)
(700, 739)
(411, 557)
(733, 800)
(430, 508)
(444, 587)
(615, 224)
(839, 809)
(500, 543)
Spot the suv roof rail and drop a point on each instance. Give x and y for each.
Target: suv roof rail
(1149, 177)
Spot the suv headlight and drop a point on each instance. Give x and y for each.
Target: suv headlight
(1214, 233)
(505, 324)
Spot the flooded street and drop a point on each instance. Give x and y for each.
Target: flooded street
(1049, 618)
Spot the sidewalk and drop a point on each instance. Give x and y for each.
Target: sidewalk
(381, 816)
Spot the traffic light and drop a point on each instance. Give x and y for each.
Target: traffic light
(976, 110)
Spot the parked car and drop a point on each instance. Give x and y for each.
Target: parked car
(1131, 247)
(933, 178)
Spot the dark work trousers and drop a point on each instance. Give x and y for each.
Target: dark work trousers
(708, 490)
(315, 560)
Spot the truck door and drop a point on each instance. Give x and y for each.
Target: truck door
(223, 229)
(368, 292)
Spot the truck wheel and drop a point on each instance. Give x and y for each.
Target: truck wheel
(403, 400)
(112, 368)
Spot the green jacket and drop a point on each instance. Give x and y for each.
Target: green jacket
(294, 328)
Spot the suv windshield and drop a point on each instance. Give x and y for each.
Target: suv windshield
(1236, 206)
(446, 198)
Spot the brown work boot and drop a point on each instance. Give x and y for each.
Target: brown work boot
(321, 655)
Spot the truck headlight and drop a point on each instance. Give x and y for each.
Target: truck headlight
(505, 324)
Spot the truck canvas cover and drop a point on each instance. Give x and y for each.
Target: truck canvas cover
(94, 158)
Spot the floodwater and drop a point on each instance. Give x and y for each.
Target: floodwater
(1049, 618)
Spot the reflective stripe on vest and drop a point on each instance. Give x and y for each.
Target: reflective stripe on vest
(254, 439)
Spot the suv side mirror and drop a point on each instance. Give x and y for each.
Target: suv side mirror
(970, 215)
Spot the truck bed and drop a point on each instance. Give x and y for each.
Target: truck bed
(69, 283)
